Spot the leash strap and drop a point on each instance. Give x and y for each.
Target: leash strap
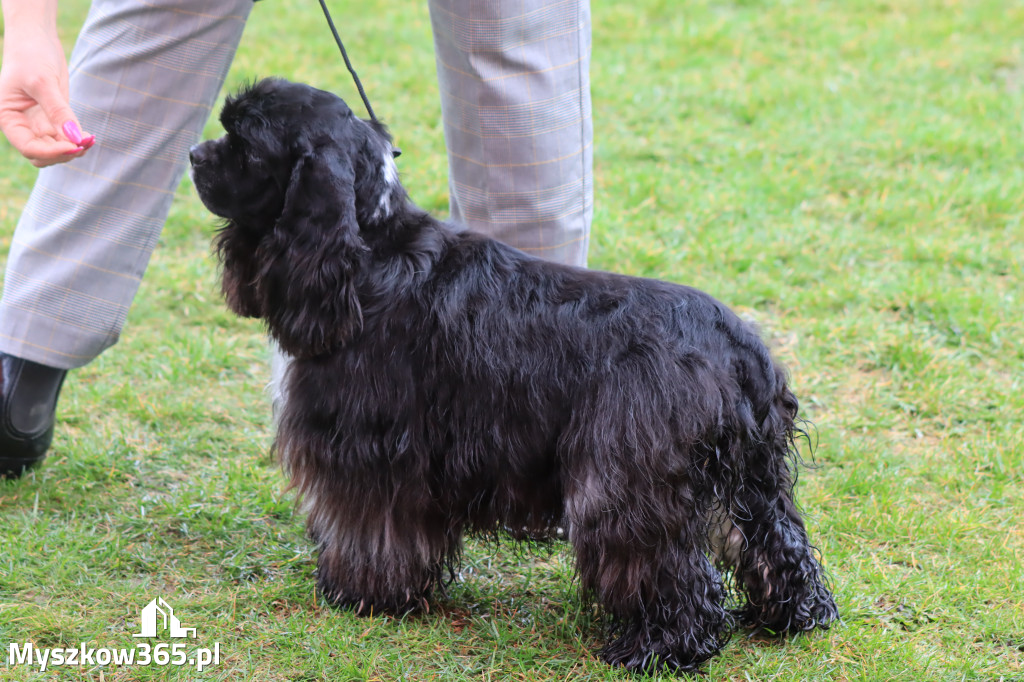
(344, 55)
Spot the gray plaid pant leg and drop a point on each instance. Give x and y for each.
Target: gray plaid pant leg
(144, 77)
(515, 98)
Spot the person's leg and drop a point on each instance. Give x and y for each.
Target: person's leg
(515, 98)
(143, 80)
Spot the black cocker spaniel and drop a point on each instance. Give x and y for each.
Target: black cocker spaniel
(440, 383)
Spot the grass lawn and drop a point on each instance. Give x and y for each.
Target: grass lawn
(850, 174)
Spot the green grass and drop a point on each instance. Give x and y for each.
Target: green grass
(849, 174)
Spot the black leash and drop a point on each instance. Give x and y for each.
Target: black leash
(344, 55)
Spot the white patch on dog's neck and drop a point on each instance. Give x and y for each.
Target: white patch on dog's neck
(279, 364)
(389, 177)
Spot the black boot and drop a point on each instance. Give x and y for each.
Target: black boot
(28, 405)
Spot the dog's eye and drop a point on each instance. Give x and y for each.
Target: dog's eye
(241, 152)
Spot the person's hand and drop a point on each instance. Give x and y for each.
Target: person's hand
(34, 111)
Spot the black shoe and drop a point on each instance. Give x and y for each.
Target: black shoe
(28, 405)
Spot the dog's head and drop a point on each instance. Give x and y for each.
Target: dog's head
(297, 177)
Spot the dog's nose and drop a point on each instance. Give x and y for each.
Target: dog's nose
(192, 154)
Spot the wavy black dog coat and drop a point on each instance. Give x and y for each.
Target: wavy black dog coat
(441, 383)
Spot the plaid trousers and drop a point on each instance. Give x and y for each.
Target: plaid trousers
(144, 77)
(515, 99)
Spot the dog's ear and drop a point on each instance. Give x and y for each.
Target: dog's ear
(311, 259)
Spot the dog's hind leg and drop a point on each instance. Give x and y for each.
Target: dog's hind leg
(640, 552)
(776, 569)
(775, 566)
(638, 508)
(762, 537)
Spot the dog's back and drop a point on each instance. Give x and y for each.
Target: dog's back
(503, 362)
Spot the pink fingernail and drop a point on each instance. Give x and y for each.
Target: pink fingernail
(73, 132)
(87, 141)
(74, 151)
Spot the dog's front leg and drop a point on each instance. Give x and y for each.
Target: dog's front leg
(380, 553)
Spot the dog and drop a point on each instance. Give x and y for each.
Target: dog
(438, 383)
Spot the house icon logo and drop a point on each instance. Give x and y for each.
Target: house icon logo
(158, 615)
